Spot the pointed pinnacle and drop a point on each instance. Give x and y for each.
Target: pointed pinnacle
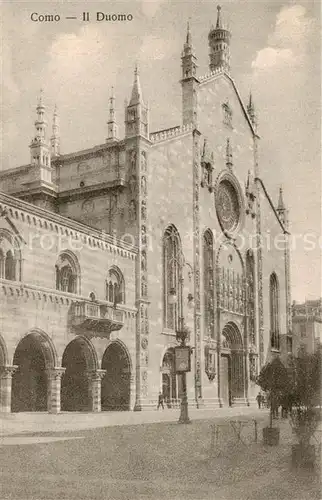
(280, 205)
(136, 95)
(219, 23)
(188, 38)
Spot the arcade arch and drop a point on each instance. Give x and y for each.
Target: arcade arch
(115, 389)
(34, 355)
(79, 361)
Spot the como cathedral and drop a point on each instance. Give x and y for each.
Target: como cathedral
(108, 254)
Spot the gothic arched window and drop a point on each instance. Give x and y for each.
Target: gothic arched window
(10, 256)
(68, 273)
(208, 280)
(10, 266)
(171, 277)
(274, 311)
(115, 287)
(250, 296)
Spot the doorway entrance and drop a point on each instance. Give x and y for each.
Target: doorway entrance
(225, 379)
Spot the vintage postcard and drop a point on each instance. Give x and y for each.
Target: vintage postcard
(160, 250)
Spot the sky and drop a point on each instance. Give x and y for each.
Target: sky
(275, 53)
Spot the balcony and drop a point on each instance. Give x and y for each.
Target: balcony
(94, 318)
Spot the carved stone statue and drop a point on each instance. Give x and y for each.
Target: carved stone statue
(132, 210)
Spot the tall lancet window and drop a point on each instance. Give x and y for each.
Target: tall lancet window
(208, 280)
(250, 296)
(172, 273)
(274, 311)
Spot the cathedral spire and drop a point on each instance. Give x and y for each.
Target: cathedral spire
(281, 209)
(136, 96)
(188, 57)
(219, 43)
(55, 139)
(219, 21)
(188, 38)
(40, 123)
(189, 81)
(136, 112)
(39, 148)
(111, 124)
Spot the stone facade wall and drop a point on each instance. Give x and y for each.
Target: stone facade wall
(33, 304)
(170, 198)
(273, 261)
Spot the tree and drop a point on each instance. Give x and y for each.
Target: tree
(274, 380)
(305, 393)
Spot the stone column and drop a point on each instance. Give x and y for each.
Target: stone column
(132, 391)
(6, 373)
(95, 384)
(246, 374)
(54, 376)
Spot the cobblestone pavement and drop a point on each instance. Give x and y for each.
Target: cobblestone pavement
(154, 461)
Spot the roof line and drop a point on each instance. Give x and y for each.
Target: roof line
(271, 204)
(65, 221)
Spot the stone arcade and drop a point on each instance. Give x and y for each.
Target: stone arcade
(93, 245)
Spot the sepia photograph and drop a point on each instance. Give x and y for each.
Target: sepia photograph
(160, 250)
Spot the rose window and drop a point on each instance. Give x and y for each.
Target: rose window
(227, 205)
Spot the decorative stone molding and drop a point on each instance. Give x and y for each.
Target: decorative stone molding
(211, 74)
(250, 194)
(97, 375)
(259, 274)
(7, 371)
(207, 166)
(228, 114)
(55, 373)
(164, 135)
(197, 259)
(33, 215)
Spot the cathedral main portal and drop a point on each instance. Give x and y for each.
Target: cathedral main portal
(232, 373)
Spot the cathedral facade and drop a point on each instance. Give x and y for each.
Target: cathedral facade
(106, 253)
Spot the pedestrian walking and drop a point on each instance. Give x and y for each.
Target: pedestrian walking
(160, 401)
(259, 400)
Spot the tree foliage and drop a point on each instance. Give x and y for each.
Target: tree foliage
(273, 378)
(305, 393)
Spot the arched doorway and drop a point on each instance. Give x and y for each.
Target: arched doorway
(79, 359)
(33, 356)
(116, 382)
(171, 382)
(232, 380)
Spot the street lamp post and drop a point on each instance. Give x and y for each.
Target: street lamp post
(182, 352)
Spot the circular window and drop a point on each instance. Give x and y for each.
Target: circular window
(227, 205)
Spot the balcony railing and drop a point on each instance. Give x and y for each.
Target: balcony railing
(93, 317)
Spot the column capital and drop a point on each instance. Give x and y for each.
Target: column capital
(7, 371)
(56, 372)
(96, 374)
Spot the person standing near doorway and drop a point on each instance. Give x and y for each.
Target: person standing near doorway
(160, 401)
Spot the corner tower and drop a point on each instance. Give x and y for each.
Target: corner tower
(189, 81)
(219, 44)
(39, 147)
(136, 112)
